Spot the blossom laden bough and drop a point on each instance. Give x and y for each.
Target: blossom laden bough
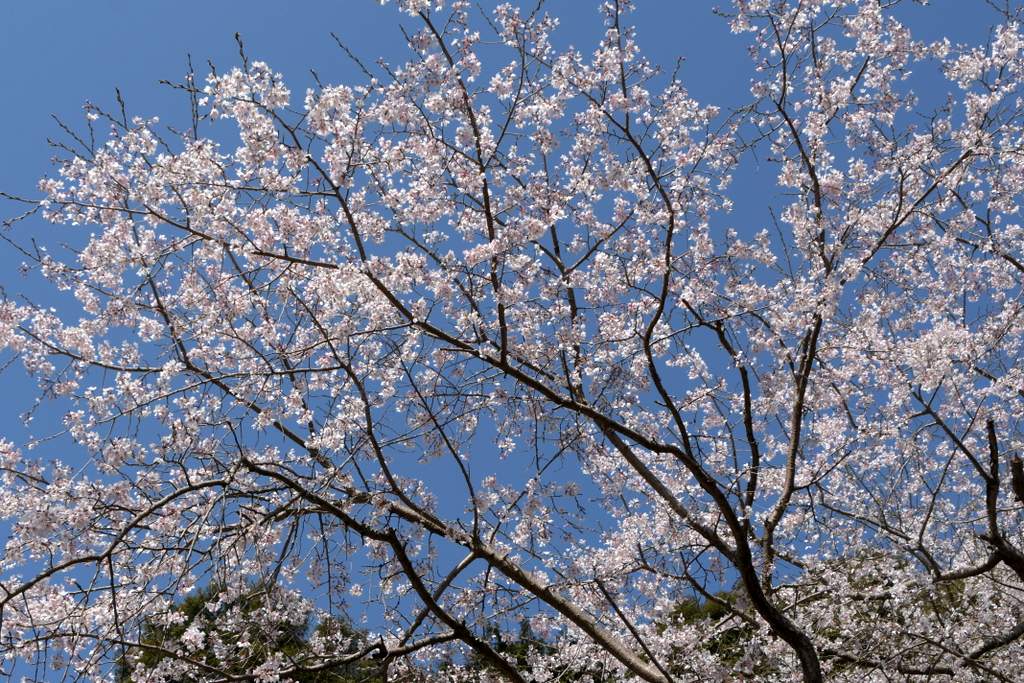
(471, 345)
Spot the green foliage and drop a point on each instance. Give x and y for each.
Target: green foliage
(291, 641)
(729, 644)
(518, 649)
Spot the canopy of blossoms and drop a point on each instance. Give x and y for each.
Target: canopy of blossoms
(470, 344)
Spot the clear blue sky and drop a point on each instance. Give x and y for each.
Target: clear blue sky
(58, 54)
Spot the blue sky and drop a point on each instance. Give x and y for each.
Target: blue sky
(59, 54)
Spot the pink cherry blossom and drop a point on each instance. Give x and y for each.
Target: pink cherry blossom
(476, 345)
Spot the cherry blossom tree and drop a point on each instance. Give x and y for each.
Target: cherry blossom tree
(470, 344)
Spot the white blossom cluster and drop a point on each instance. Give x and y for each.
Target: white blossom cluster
(475, 347)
